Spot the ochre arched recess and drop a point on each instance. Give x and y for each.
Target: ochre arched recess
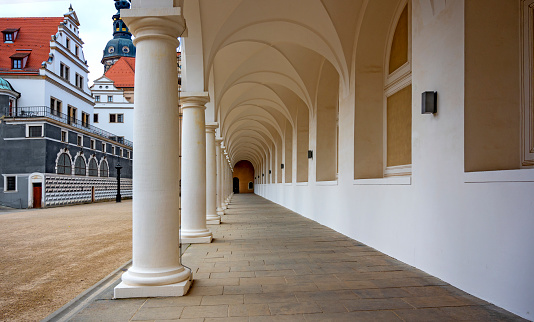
(244, 171)
(302, 143)
(399, 127)
(493, 85)
(370, 71)
(288, 150)
(327, 124)
(398, 54)
(398, 102)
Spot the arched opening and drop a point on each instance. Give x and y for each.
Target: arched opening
(64, 165)
(104, 168)
(244, 174)
(93, 168)
(79, 166)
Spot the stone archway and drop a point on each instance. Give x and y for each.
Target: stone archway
(244, 173)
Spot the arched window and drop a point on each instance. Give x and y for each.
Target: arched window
(93, 168)
(64, 165)
(104, 168)
(79, 166)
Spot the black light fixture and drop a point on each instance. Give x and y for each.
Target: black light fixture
(310, 154)
(282, 166)
(263, 174)
(118, 197)
(269, 171)
(429, 103)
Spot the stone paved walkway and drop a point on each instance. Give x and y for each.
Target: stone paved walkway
(267, 263)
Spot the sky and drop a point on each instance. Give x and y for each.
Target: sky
(96, 24)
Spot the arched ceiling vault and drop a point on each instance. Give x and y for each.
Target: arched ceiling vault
(263, 59)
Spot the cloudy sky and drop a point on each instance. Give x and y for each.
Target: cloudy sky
(96, 24)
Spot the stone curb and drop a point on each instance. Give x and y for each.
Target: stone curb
(85, 298)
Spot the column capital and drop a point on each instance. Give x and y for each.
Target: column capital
(210, 127)
(194, 99)
(150, 23)
(218, 140)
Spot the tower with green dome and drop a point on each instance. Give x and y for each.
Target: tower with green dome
(121, 45)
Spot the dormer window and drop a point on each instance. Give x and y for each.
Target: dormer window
(19, 60)
(17, 63)
(10, 34)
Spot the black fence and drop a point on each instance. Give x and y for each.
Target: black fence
(45, 111)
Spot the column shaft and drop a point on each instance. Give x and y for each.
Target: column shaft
(220, 210)
(194, 171)
(156, 267)
(212, 217)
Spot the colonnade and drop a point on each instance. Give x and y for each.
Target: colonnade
(159, 228)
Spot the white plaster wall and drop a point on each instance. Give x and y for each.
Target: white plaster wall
(32, 91)
(472, 230)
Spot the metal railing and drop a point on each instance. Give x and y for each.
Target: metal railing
(45, 111)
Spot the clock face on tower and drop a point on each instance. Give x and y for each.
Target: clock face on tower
(111, 50)
(125, 49)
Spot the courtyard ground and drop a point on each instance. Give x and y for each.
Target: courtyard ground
(49, 256)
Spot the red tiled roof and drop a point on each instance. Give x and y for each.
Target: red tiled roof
(122, 72)
(34, 34)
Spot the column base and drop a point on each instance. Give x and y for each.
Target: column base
(213, 221)
(124, 291)
(220, 212)
(196, 240)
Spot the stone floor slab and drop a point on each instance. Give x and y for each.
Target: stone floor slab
(267, 263)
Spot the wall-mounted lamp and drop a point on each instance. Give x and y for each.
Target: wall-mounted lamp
(310, 154)
(282, 166)
(269, 171)
(429, 103)
(263, 174)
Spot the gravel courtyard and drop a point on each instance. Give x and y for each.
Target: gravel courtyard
(49, 256)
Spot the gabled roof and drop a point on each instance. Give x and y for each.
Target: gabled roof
(122, 72)
(33, 38)
(102, 79)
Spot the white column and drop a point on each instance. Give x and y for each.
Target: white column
(230, 185)
(220, 210)
(212, 218)
(224, 164)
(156, 267)
(194, 169)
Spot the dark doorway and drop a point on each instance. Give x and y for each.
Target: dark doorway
(93, 194)
(236, 185)
(37, 194)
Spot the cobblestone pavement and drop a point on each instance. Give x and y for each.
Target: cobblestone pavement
(49, 256)
(267, 263)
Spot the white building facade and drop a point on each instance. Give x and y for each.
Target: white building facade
(112, 112)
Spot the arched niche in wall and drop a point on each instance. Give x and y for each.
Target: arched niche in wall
(327, 124)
